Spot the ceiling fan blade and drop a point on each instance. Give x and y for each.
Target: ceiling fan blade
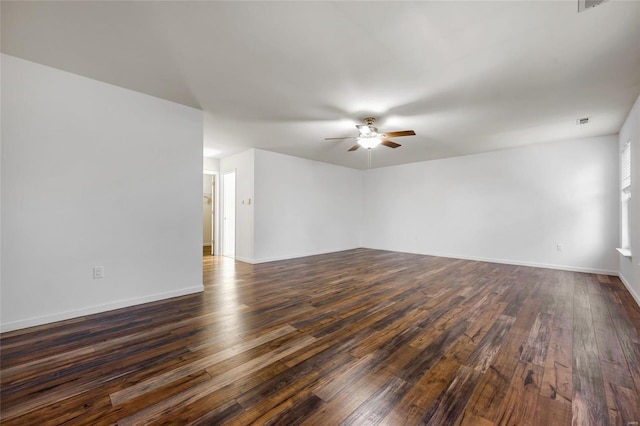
(390, 144)
(346, 137)
(353, 148)
(400, 133)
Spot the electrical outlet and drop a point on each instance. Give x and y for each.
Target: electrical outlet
(559, 247)
(98, 272)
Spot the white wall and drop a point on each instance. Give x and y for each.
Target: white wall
(304, 207)
(210, 165)
(510, 206)
(1, 173)
(243, 164)
(93, 174)
(630, 267)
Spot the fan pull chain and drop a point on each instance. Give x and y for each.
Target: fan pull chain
(369, 162)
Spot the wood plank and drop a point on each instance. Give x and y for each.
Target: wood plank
(160, 409)
(219, 405)
(163, 379)
(415, 403)
(378, 405)
(488, 399)
(287, 387)
(588, 401)
(482, 356)
(557, 382)
(449, 406)
(552, 411)
(624, 405)
(297, 413)
(520, 403)
(535, 351)
(349, 398)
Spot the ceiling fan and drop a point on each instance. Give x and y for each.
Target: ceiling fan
(369, 136)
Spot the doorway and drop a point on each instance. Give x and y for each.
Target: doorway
(229, 214)
(208, 214)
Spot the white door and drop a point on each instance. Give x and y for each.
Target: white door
(229, 214)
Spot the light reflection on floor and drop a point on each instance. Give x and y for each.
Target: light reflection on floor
(221, 288)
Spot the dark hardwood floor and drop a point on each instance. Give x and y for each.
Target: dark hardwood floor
(359, 337)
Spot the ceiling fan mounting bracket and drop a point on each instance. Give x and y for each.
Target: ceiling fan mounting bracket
(369, 121)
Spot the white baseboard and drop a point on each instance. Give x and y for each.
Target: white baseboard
(515, 262)
(447, 255)
(60, 316)
(292, 256)
(549, 266)
(635, 295)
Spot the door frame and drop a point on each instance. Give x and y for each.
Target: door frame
(215, 207)
(235, 213)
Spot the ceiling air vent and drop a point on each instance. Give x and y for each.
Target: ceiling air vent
(584, 120)
(588, 4)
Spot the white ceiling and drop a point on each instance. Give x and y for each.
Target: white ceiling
(468, 77)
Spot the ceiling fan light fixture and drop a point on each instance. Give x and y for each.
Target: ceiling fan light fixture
(369, 137)
(369, 142)
(364, 129)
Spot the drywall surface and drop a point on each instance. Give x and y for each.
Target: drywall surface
(304, 207)
(243, 165)
(94, 175)
(552, 205)
(210, 165)
(630, 267)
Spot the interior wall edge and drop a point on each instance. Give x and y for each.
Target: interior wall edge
(244, 260)
(627, 284)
